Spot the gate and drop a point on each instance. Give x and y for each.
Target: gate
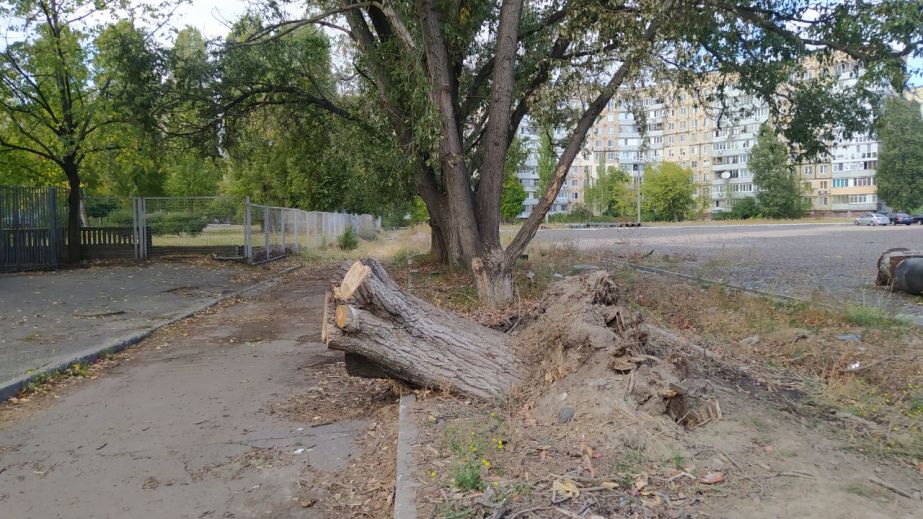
(30, 235)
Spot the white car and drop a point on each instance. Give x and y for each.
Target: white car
(873, 219)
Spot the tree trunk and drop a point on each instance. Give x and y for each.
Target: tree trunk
(493, 276)
(73, 211)
(375, 322)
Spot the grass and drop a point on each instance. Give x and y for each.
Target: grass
(871, 316)
(43, 382)
(393, 245)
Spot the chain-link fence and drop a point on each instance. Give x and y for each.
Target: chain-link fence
(32, 223)
(278, 230)
(231, 228)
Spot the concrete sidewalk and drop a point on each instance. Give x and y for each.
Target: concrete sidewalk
(185, 428)
(48, 318)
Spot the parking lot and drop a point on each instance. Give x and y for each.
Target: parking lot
(831, 262)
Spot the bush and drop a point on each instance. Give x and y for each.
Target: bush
(176, 223)
(348, 240)
(745, 208)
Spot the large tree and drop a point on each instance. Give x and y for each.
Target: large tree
(668, 192)
(484, 66)
(69, 90)
(779, 188)
(900, 155)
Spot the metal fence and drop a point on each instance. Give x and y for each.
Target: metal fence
(30, 235)
(32, 228)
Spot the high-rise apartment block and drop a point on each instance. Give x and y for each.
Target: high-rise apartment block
(714, 142)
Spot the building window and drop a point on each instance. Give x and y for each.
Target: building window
(841, 182)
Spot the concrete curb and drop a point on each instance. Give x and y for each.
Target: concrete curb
(405, 481)
(12, 387)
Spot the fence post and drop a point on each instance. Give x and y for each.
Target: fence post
(307, 233)
(266, 231)
(53, 226)
(142, 212)
(282, 228)
(248, 231)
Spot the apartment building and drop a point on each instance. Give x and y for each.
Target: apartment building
(528, 173)
(714, 142)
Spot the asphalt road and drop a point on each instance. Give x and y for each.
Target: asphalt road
(832, 262)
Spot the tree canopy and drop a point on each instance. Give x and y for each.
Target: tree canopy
(667, 192)
(779, 193)
(900, 155)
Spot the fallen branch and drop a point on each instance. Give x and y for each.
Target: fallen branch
(892, 488)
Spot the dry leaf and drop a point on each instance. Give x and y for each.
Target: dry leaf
(712, 478)
(641, 481)
(609, 485)
(566, 488)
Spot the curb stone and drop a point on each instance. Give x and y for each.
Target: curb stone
(405, 482)
(10, 388)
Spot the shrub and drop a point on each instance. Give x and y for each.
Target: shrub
(176, 223)
(745, 208)
(348, 240)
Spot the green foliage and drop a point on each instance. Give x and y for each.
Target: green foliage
(667, 192)
(100, 207)
(513, 195)
(467, 476)
(176, 223)
(418, 213)
(868, 316)
(779, 193)
(900, 155)
(745, 208)
(609, 195)
(348, 240)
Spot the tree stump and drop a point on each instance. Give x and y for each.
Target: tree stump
(387, 332)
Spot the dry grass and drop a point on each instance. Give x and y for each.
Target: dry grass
(396, 246)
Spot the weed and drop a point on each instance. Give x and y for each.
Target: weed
(631, 463)
(467, 476)
(453, 511)
(868, 316)
(678, 460)
(348, 240)
(859, 490)
(78, 370)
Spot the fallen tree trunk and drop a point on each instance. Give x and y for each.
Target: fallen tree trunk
(582, 331)
(388, 332)
(902, 270)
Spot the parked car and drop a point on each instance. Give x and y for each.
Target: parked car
(918, 218)
(873, 219)
(901, 219)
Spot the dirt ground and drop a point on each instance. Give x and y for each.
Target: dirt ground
(802, 430)
(239, 412)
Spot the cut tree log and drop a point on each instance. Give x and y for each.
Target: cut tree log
(387, 332)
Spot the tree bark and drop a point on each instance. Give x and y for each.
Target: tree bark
(493, 276)
(73, 210)
(370, 318)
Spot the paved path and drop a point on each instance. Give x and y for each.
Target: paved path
(184, 428)
(49, 317)
(830, 261)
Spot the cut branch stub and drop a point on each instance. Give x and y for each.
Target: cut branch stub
(388, 332)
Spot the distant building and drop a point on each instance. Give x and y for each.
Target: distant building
(714, 142)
